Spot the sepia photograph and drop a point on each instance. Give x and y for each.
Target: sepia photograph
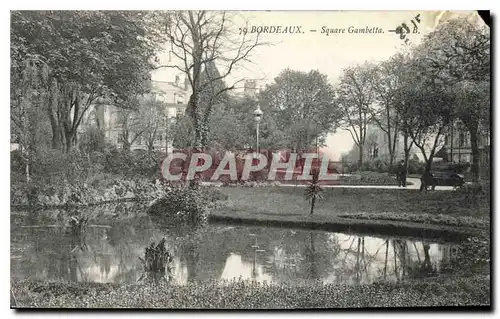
(250, 160)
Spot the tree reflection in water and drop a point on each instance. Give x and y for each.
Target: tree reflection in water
(282, 255)
(410, 268)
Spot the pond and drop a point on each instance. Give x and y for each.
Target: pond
(43, 249)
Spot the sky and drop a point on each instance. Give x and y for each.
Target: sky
(327, 53)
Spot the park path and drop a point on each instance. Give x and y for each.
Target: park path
(415, 181)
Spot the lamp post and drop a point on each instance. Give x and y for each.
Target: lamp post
(257, 116)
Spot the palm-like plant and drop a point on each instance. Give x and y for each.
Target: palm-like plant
(314, 191)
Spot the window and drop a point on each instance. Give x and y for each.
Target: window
(121, 137)
(461, 139)
(179, 111)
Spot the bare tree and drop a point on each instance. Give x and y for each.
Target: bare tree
(429, 104)
(201, 38)
(385, 115)
(144, 117)
(355, 96)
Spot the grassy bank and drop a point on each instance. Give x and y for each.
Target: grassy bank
(359, 209)
(469, 291)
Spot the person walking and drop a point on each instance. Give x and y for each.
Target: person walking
(401, 173)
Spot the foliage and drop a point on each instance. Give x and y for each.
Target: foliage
(239, 129)
(427, 106)
(314, 191)
(302, 107)
(475, 193)
(182, 132)
(355, 95)
(369, 178)
(460, 291)
(376, 165)
(415, 166)
(87, 55)
(200, 41)
(97, 189)
(475, 254)
(53, 166)
(145, 118)
(456, 56)
(92, 140)
(227, 132)
(232, 127)
(387, 81)
(424, 218)
(131, 164)
(182, 207)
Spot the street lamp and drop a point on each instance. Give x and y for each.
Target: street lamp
(257, 116)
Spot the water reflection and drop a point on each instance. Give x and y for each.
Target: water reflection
(42, 249)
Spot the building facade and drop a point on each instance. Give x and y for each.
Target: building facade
(459, 150)
(377, 146)
(173, 97)
(458, 144)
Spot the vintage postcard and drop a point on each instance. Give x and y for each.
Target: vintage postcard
(250, 159)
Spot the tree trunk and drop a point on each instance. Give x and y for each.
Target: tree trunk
(386, 254)
(56, 138)
(69, 143)
(428, 164)
(357, 267)
(56, 131)
(360, 160)
(427, 258)
(313, 202)
(204, 133)
(475, 153)
(406, 151)
(126, 146)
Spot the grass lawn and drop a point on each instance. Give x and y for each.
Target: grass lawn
(441, 291)
(392, 208)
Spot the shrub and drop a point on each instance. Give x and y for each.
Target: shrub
(370, 178)
(182, 207)
(415, 166)
(17, 162)
(133, 164)
(92, 140)
(53, 166)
